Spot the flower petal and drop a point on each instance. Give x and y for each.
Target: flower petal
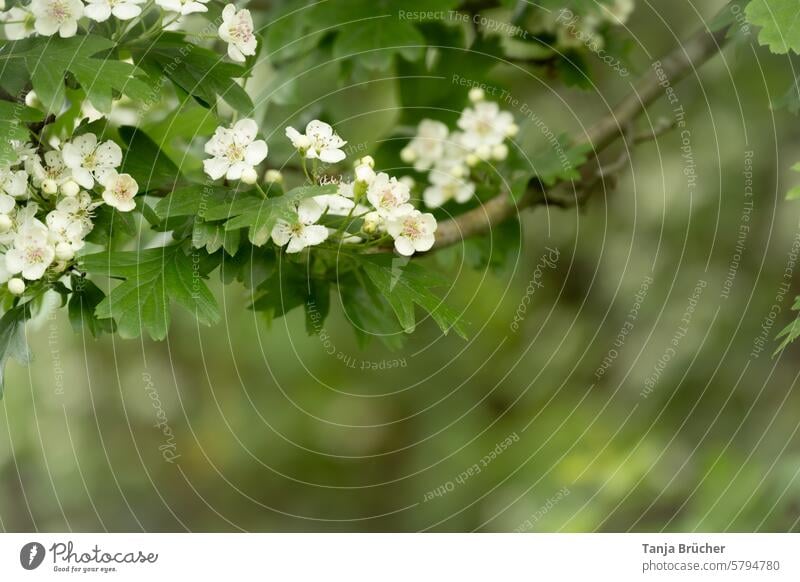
(256, 152)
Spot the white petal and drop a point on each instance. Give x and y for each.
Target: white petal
(309, 211)
(296, 244)
(256, 152)
(235, 54)
(245, 131)
(98, 12)
(127, 10)
(424, 243)
(314, 234)
(83, 177)
(46, 27)
(215, 168)
(318, 129)
(281, 233)
(66, 30)
(14, 261)
(7, 203)
(236, 170)
(109, 154)
(331, 156)
(404, 246)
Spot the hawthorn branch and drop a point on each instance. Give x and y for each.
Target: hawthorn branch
(680, 63)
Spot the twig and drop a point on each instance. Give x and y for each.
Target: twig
(674, 67)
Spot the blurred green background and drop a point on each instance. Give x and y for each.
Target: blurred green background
(271, 432)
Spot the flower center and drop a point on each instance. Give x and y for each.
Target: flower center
(411, 229)
(241, 31)
(234, 153)
(297, 229)
(90, 161)
(34, 255)
(59, 11)
(387, 198)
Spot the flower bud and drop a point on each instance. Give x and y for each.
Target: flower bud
(16, 286)
(32, 100)
(408, 181)
(500, 152)
(64, 252)
(70, 188)
(367, 161)
(49, 186)
(512, 130)
(408, 155)
(260, 237)
(472, 160)
(476, 94)
(5, 223)
(249, 176)
(372, 222)
(273, 177)
(302, 143)
(458, 171)
(483, 152)
(365, 173)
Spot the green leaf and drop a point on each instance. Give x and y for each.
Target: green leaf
(405, 284)
(151, 279)
(250, 210)
(110, 224)
(13, 117)
(288, 287)
(83, 301)
(12, 339)
(150, 167)
(375, 42)
(779, 21)
(200, 72)
(212, 236)
(48, 59)
(792, 331)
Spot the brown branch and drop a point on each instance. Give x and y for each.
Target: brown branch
(674, 67)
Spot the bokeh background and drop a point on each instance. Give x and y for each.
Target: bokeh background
(271, 432)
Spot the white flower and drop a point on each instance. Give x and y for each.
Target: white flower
(59, 16)
(445, 187)
(234, 151)
(32, 252)
(183, 6)
(16, 286)
(24, 153)
(14, 182)
(19, 23)
(319, 141)
(364, 173)
(455, 156)
(237, 30)
(90, 161)
(388, 196)
(412, 232)
(619, 12)
(428, 145)
(100, 10)
(304, 232)
(52, 173)
(484, 125)
(119, 192)
(335, 204)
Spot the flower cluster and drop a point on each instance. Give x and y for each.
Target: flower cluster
(448, 156)
(47, 201)
(381, 202)
(574, 31)
(49, 17)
